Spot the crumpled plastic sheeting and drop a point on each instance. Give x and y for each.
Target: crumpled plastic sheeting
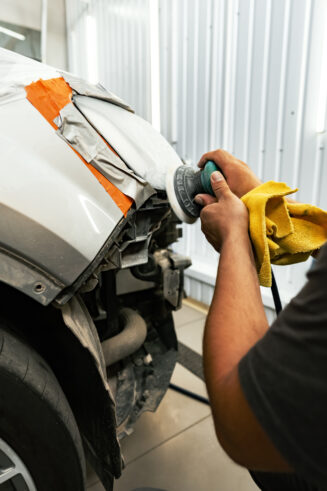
(17, 71)
(78, 132)
(82, 87)
(136, 141)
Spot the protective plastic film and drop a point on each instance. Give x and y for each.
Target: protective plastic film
(82, 87)
(75, 129)
(49, 97)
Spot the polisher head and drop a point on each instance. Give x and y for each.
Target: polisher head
(182, 184)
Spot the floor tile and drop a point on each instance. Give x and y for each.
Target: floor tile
(186, 314)
(191, 334)
(96, 487)
(184, 378)
(175, 413)
(191, 461)
(91, 477)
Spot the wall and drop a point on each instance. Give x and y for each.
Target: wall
(246, 75)
(28, 14)
(247, 78)
(109, 41)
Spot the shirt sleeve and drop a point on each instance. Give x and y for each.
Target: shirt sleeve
(284, 378)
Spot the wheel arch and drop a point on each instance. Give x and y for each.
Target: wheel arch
(77, 362)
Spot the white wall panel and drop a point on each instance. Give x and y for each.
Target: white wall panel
(248, 75)
(245, 75)
(117, 54)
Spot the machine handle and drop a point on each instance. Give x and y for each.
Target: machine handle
(208, 169)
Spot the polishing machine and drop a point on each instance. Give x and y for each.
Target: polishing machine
(183, 184)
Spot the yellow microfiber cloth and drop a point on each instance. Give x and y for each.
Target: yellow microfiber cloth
(282, 232)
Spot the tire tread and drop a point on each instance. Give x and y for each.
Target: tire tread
(22, 363)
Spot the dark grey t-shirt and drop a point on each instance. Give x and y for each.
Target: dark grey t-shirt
(284, 378)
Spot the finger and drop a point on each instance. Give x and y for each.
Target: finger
(219, 185)
(219, 156)
(205, 157)
(204, 199)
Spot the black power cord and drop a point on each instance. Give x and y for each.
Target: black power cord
(278, 309)
(275, 293)
(188, 393)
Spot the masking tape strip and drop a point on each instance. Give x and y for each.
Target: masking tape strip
(49, 97)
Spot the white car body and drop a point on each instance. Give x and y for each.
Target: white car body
(55, 216)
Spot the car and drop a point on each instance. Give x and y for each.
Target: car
(88, 276)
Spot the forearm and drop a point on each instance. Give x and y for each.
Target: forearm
(236, 319)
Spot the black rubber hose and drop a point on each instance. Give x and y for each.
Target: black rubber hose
(129, 340)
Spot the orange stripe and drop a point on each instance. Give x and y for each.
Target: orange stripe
(49, 97)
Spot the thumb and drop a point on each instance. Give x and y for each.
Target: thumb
(204, 199)
(219, 185)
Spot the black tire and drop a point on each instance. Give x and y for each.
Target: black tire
(36, 420)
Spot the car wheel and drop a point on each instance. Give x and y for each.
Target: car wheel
(40, 445)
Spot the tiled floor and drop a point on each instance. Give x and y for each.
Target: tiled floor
(175, 449)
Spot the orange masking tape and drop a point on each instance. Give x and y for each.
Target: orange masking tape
(49, 97)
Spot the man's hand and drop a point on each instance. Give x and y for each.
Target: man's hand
(224, 216)
(239, 176)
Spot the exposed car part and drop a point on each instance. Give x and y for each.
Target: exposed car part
(35, 421)
(143, 380)
(129, 340)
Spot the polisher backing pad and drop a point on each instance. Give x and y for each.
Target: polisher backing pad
(174, 202)
(182, 184)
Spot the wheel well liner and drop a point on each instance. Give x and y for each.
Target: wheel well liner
(79, 376)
